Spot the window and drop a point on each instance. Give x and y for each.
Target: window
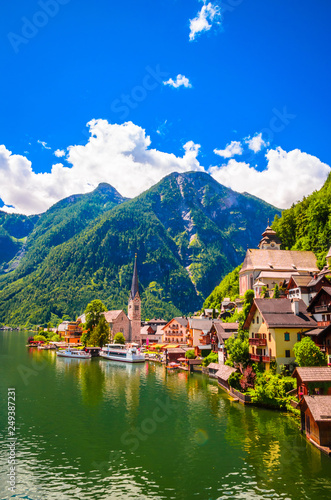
(286, 336)
(298, 337)
(287, 353)
(136, 308)
(253, 321)
(269, 337)
(257, 320)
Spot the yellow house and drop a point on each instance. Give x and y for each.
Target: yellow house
(274, 326)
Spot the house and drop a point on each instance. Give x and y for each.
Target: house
(220, 332)
(273, 266)
(212, 369)
(305, 286)
(322, 338)
(70, 331)
(118, 323)
(313, 380)
(316, 420)
(175, 330)
(274, 326)
(174, 354)
(320, 306)
(198, 333)
(223, 376)
(150, 334)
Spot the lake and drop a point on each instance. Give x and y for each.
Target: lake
(97, 429)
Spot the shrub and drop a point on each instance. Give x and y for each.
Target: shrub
(211, 358)
(234, 380)
(190, 354)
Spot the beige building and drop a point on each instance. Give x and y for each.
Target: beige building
(267, 265)
(175, 331)
(118, 323)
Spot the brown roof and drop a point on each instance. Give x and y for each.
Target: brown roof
(181, 320)
(325, 289)
(281, 260)
(213, 366)
(313, 373)
(278, 313)
(200, 323)
(302, 280)
(320, 407)
(112, 315)
(223, 334)
(225, 371)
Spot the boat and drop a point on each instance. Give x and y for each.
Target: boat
(173, 366)
(73, 353)
(120, 352)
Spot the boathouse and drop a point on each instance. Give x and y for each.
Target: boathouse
(316, 420)
(313, 380)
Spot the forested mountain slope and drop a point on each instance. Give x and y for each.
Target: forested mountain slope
(188, 231)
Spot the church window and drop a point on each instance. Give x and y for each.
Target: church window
(136, 308)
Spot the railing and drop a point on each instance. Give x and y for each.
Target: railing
(323, 308)
(323, 323)
(255, 357)
(258, 342)
(266, 359)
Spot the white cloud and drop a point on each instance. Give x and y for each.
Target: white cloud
(181, 81)
(44, 144)
(117, 154)
(208, 15)
(59, 153)
(256, 143)
(232, 149)
(287, 178)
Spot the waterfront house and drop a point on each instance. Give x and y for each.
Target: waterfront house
(223, 375)
(175, 330)
(196, 328)
(151, 334)
(273, 266)
(274, 326)
(70, 331)
(313, 380)
(212, 369)
(219, 333)
(316, 420)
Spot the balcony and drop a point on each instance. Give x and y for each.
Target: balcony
(323, 324)
(258, 342)
(255, 357)
(322, 308)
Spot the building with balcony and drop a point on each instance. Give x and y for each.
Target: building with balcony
(320, 306)
(219, 333)
(175, 331)
(70, 331)
(305, 286)
(274, 326)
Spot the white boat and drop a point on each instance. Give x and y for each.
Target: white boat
(120, 352)
(73, 353)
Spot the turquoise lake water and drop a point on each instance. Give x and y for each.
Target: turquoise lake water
(96, 429)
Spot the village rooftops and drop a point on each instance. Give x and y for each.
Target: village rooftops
(278, 313)
(319, 406)
(200, 323)
(280, 260)
(313, 374)
(325, 289)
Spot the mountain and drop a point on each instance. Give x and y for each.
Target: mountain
(188, 230)
(14, 230)
(60, 223)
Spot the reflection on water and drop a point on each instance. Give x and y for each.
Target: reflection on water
(97, 429)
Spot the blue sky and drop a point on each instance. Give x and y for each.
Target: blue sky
(259, 69)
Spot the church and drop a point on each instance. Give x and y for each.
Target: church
(129, 324)
(268, 265)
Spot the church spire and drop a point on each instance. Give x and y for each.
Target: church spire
(135, 282)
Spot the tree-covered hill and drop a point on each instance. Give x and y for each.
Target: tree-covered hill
(188, 231)
(14, 230)
(307, 224)
(304, 226)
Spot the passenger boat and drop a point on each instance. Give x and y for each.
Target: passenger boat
(73, 353)
(120, 352)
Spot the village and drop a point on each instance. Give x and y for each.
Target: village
(290, 305)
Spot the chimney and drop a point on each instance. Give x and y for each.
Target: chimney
(295, 306)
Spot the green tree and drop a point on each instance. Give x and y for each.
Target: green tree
(100, 334)
(56, 338)
(40, 337)
(85, 338)
(93, 313)
(307, 353)
(119, 338)
(276, 292)
(190, 354)
(238, 350)
(211, 358)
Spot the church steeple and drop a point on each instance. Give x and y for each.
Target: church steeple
(134, 307)
(135, 282)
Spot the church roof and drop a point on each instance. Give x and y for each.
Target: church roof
(270, 235)
(112, 315)
(135, 283)
(280, 260)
